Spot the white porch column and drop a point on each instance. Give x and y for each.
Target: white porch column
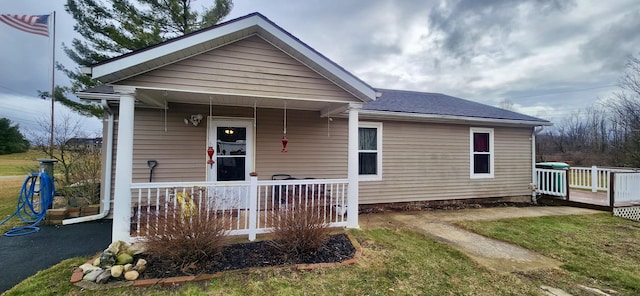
(352, 170)
(124, 163)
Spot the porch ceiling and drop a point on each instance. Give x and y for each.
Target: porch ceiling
(155, 99)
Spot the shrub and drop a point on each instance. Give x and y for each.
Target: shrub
(181, 242)
(299, 231)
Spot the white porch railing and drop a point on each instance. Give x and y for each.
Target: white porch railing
(552, 182)
(627, 188)
(593, 178)
(248, 207)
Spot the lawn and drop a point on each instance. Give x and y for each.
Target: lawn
(17, 164)
(20, 164)
(9, 191)
(393, 262)
(597, 250)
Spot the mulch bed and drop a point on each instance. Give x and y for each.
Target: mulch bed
(338, 248)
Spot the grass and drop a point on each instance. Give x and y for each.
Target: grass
(597, 250)
(393, 262)
(9, 191)
(18, 164)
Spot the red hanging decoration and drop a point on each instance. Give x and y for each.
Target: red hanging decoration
(284, 143)
(210, 152)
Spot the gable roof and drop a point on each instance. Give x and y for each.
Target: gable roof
(435, 105)
(170, 51)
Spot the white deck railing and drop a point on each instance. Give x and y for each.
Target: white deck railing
(552, 182)
(248, 207)
(627, 188)
(592, 178)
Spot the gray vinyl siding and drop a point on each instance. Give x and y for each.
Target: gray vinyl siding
(431, 162)
(250, 66)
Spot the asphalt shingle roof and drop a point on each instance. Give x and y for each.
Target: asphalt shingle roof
(439, 104)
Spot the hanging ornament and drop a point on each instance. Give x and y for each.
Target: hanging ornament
(284, 136)
(284, 143)
(210, 152)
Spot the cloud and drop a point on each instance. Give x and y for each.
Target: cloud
(549, 57)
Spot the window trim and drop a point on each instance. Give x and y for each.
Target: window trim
(491, 173)
(378, 127)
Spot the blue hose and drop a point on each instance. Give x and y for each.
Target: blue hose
(26, 210)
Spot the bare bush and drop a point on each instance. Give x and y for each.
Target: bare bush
(300, 231)
(181, 242)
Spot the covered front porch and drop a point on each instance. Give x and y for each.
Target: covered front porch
(233, 161)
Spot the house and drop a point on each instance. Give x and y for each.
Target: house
(245, 96)
(83, 143)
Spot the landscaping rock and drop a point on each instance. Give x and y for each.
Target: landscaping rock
(103, 277)
(141, 265)
(131, 275)
(86, 268)
(117, 271)
(91, 276)
(123, 259)
(107, 258)
(135, 248)
(115, 247)
(128, 267)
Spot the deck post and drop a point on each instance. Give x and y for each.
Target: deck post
(253, 206)
(612, 191)
(594, 178)
(566, 183)
(352, 169)
(124, 164)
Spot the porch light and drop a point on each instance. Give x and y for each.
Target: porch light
(229, 131)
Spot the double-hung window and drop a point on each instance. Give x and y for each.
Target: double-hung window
(370, 151)
(482, 151)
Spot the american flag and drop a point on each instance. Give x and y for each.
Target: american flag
(35, 24)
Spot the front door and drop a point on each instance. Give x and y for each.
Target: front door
(233, 144)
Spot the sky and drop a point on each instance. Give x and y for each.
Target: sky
(549, 58)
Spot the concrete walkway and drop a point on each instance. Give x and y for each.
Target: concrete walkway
(493, 254)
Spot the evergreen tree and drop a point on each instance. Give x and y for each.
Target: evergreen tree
(113, 27)
(11, 140)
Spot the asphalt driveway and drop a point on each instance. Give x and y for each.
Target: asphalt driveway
(23, 256)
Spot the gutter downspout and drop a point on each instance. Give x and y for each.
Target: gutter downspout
(106, 199)
(534, 181)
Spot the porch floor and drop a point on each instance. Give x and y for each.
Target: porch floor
(588, 197)
(595, 198)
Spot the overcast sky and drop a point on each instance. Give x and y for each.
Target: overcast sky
(548, 57)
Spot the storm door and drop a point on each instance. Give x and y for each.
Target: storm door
(233, 141)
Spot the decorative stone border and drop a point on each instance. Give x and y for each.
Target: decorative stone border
(76, 276)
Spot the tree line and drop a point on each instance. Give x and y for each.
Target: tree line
(606, 134)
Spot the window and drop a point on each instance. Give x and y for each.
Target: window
(481, 152)
(370, 151)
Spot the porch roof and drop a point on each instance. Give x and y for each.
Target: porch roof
(140, 61)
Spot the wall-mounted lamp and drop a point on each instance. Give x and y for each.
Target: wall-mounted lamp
(193, 119)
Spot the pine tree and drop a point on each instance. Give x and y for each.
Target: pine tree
(11, 140)
(114, 27)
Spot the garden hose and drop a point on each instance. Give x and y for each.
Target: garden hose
(30, 209)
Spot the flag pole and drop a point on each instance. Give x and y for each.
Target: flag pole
(53, 83)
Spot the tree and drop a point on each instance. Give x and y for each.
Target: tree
(11, 140)
(602, 135)
(80, 167)
(113, 27)
(625, 109)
